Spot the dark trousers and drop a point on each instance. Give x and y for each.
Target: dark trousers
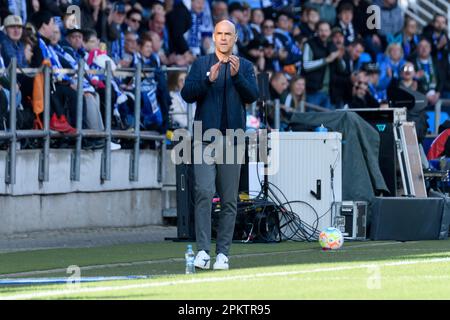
(63, 100)
(209, 178)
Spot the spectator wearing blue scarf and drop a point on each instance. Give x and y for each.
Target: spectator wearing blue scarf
(63, 99)
(117, 49)
(428, 76)
(201, 28)
(408, 38)
(155, 95)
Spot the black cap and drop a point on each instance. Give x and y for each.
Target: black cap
(74, 29)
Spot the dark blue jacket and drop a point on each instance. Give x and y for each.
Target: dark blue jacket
(240, 89)
(10, 49)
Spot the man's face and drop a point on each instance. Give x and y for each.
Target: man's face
(76, 40)
(238, 15)
(47, 29)
(411, 27)
(257, 16)
(356, 51)
(119, 17)
(220, 10)
(424, 49)
(408, 71)
(198, 5)
(156, 42)
(268, 28)
(361, 84)
(346, 16)
(92, 43)
(283, 22)
(324, 32)
(313, 17)
(338, 40)
(280, 84)
(158, 22)
(56, 36)
(146, 49)
(14, 33)
(224, 37)
(246, 14)
(134, 21)
(131, 44)
(440, 24)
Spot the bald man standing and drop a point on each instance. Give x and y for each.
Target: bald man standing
(220, 84)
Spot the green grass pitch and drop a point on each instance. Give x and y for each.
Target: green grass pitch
(287, 270)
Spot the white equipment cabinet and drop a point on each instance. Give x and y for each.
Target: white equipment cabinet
(303, 171)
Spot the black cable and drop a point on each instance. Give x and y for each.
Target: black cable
(293, 223)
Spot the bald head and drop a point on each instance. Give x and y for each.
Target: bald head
(225, 24)
(225, 37)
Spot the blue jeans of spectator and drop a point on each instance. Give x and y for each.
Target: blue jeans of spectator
(320, 99)
(18, 97)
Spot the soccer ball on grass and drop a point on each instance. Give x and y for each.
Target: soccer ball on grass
(331, 239)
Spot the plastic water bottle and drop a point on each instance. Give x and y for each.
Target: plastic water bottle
(321, 129)
(189, 257)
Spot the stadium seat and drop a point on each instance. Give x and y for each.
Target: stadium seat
(431, 115)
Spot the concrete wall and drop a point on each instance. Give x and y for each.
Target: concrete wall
(60, 203)
(79, 210)
(59, 172)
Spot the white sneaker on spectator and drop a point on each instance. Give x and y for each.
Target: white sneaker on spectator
(221, 262)
(202, 260)
(115, 146)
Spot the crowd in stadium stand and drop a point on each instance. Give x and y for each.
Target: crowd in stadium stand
(322, 52)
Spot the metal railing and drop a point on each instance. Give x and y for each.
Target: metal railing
(423, 11)
(13, 135)
(277, 110)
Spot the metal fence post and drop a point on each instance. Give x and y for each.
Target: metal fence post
(253, 108)
(302, 106)
(10, 177)
(277, 114)
(437, 116)
(44, 155)
(189, 117)
(76, 154)
(106, 154)
(134, 159)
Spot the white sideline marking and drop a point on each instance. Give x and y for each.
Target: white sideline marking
(69, 291)
(138, 263)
